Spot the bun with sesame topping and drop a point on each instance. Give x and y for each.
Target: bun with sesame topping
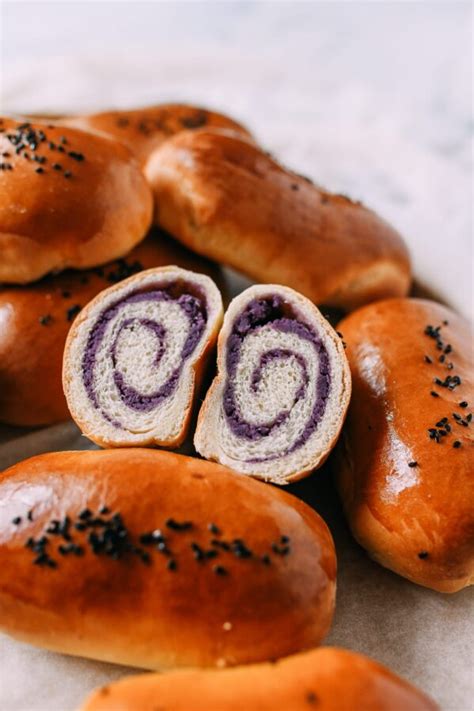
(406, 457)
(68, 199)
(326, 679)
(227, 199)
(35, 320)
(157, 560)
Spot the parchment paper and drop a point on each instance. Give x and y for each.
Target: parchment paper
(390, 127)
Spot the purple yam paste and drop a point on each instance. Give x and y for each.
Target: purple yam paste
(196, 313)
(257, 314)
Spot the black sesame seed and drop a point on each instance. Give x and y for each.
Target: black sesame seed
(171, 564)
(265, 559)
(72, 312)
(76, 156)
(67, 174)
(412, 464)
(469, 417)
(178, 526)
(219, 570)
(80, 526)
(30, 515)
(428, 359)
(434, 394)
(17, 520)
(45, 320)
(423, 554)
(39, 170)
(463, 404)
(104, 510)
(85, 514)
(57, 166)
(214, 529)
(456, 444)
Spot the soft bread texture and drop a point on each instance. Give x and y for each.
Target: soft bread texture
(417, 520)
(35, 320)
(143, 130)
(283, 386)
(149, 616)
(67, 199)
(225, 198)
(135, 355)
(328, 679)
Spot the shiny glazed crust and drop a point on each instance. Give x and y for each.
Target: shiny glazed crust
(227, 199)
(67, 199)
(35, 320)
(327, 679)
(144, 130)
(417, 520)
(146, 615)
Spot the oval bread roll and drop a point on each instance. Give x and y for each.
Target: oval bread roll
(158, 560)
(227, 199)
(327, 679)
(35, 320)
(278, 402)
(407, 457)
(67, 199)
(135, 355)
(143, 130)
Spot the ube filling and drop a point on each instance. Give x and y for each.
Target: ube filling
(258, 313)
(196, 312)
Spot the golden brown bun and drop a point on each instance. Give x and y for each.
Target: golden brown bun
(94, 206)
(148, 616)
(418, 520)
(144, 130)
(327, 679)
(35, 320)
(227, 199)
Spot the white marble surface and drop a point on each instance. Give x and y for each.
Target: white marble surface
(371, 99)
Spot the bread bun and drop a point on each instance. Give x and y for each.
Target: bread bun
(35, 320)
(407, 454)
(67, 199)
(181, 562)
(144, 130)
(327, 679)
(225, 198)
(135, 355)
(277, 405)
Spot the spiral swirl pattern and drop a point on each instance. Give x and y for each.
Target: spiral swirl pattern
(277, 382)
(135, 354)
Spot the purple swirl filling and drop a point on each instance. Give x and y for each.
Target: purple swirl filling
(194, 309)
(259, 313)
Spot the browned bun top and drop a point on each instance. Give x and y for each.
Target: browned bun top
(226, 198)
(35, 320)
(327, 679)
(267, 590)
(143, 130)
(67, 199)
(408, 454)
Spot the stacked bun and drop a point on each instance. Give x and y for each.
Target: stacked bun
(157, 560)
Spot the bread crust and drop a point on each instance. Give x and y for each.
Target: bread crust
(225, 198)
(205, 436)
(145, 129)
(328, 679)
(417, 520)
(35, 320)
(146, 615)
(67, 199)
